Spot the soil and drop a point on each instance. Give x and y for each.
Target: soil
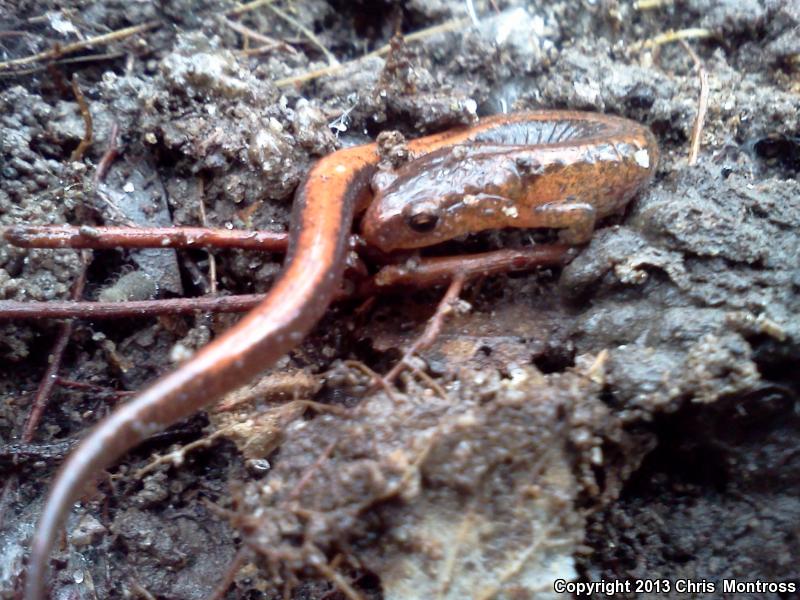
(632, 416)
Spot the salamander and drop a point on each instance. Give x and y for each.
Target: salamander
(552, 169)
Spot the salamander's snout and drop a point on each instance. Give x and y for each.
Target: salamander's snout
(381, 226)
(392, 225)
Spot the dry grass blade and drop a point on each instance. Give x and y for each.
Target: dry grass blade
(332, 60)
(451, 25)
(243, 8)
(674, 36)
(471, 12)
(651, 4)
(702, 104)
(64, 61)
(59, 51)
(246, 32)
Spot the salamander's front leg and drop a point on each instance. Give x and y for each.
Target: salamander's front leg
(577, 220)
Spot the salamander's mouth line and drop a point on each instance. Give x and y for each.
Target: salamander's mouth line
(589, 165)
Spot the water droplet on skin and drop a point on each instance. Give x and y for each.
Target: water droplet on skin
(642, 158)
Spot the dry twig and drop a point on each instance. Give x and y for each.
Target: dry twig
(109, 156)
(433, 328)
(86, 141)
(10, 309)
(109, 237)
(54, 360)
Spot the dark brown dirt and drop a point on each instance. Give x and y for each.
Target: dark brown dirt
(631, 416)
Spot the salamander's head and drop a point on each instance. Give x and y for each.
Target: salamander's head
(393, 222)
(435, 198)
(409, 206)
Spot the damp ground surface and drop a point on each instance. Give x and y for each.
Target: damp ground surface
(631, 416)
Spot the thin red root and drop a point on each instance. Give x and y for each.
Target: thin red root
(66, 236)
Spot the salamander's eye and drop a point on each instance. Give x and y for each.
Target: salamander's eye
(422, 222)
